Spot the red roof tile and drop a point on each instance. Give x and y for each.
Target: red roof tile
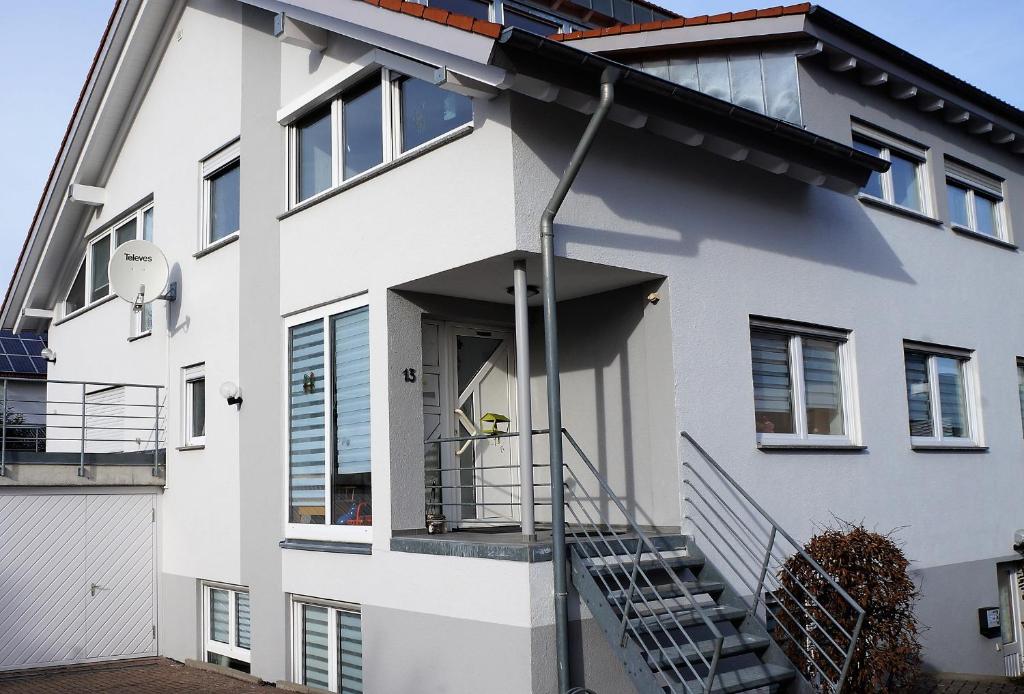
(745, 15)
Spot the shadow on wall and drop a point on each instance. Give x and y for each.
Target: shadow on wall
(668, 198)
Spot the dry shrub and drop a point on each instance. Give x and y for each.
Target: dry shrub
(872, 569)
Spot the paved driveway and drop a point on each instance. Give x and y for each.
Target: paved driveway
(142, 676)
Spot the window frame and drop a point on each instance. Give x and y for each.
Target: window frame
(796, 333)
(975, 181)
(189, 376)
(1020, 390)
(221, 160)
(333, 607)
(230, 649)
(972, 397)
(107, 232)
(887, 144)
(327, 531)
(392, 154)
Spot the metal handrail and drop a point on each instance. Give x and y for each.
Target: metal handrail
(776, 531)
(644, 542)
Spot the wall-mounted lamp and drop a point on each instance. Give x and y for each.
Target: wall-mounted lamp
(49, 355)
(232, 393)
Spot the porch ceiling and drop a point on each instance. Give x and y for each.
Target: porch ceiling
(489, 279)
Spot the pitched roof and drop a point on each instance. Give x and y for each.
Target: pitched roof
(678, 22)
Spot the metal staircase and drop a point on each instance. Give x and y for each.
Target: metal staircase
(675, 621)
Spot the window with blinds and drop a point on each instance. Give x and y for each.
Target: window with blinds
(329, 420)
(800, 384)
(941, 396)
(328, 646)
(227, 626)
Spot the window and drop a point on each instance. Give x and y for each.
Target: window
(523, 18)
(220, 178)
(975, 201)
(941, 396)
(371, 123)
(802, 384)
(92, 281)
(470, 8)
(142, 320)
(327, 646)
(227, 626)
(1020, 387)
(903, 185)
(194, 398)
(329, 423)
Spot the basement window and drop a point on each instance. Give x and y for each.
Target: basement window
(329, 470)
(373, 123)
(227, 626)
(942, 397)
(802, 384)
(327, 645)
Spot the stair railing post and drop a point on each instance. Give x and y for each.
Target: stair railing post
(156, 432)
(764, 572)
(629, 594)
(81, 454)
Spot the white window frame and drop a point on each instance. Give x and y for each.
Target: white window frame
(796, 333)
(392, 69)
(333, 607)
(972, 397)
(1020, 390)
(224, 158)
(231, 649)
(110, 232)
(189, 376)
(328, 532)
(977, 182)
(564, 26)
(887, 144)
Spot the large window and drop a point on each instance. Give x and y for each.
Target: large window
(194, 399)
(941, 396)
(904, 185)
(221, 194)
(227, 626)
(373, 122)
(975, 201)
(329, 422)
(802, 384)
(327, 643)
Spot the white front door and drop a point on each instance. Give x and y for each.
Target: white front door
(474, 376)
(77, 578)
(1011, 600)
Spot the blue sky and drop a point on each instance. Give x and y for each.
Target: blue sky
(41, 77)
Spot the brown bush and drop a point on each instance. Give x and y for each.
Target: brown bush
(872, 569)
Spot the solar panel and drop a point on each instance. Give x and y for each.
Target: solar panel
(20, 354)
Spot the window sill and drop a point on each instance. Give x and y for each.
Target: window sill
(370, 174)
(133, 338)
(195, 447)
(947, 448)
(811, 447)
(326, 546)
(971, 233)
(898, 209)
(216, 246)
(86, 309)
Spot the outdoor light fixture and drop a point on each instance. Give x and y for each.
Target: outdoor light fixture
(231, 392)
(49, 355)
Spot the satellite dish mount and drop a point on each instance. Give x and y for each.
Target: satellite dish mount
(138, 274)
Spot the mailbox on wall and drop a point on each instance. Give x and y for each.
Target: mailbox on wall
(988, 622)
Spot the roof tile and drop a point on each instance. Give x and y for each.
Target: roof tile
(629, 29)
(720, 18)
(695, 21)
(770, 12)
(393, 5)
(802, 8)
(435, 14)
(413, 8)
(485, 28)
(459, 21)
(744, 15)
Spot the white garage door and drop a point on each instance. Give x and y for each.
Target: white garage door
(77, 578)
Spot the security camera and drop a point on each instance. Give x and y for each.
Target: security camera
(1018, 541)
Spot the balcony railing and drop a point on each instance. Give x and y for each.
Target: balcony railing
(81, 423)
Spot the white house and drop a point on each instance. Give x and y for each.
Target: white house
(787, 238)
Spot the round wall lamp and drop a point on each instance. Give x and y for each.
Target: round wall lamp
(230, 391)
(48, 354)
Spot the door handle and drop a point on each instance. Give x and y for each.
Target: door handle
(95, 587)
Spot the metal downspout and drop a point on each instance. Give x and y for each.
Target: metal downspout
(547, 246)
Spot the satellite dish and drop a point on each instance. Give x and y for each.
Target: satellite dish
(138, 272)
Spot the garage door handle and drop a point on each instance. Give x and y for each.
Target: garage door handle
(95, 587)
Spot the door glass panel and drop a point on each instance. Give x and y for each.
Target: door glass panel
(350, 653)
(351, 483)
(467, 464)
(473, 353)
(315, 649)
(243, 621)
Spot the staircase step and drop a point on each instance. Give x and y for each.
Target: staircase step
(668, 590)
(622, 543)
(742, 680)
(619, 564)
(732, 645)
(685, 618)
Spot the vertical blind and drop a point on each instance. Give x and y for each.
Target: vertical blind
(824, 396)
(306, 457)
(919, 394)
(350, 653)
(315, 647)
(352, 391)
(772, 387)
(219, 615)
(243, 621)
